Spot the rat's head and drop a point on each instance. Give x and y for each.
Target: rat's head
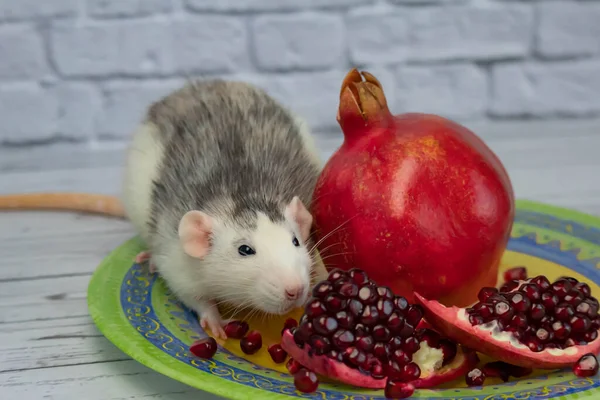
(261, 263)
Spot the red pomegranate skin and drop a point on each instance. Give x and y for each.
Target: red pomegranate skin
(416, 200)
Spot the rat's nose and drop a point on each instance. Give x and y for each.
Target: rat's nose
(293, 292)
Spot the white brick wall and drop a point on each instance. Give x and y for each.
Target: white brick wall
(86, 69)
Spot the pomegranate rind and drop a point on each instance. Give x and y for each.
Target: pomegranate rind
(445, 320)
(325, 366)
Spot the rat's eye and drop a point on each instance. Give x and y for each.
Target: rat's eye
(246, 250)
(296, 242)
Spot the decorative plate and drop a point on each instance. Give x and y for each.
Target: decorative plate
(135, 311)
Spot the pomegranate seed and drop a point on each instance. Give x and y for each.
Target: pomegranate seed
(365, 343)
(583, 288)
(306, 381)
(336, 355)
(358, 276)
(590, 336)
(381, 333)
(519, 372)
(534, 345)
(377, 371)
(395, 323)
(345, 319)
(431, 337)
(336, 274)
(361, 330)
(325, 325)
(335, 302)
(503, 310)
(508, 286)
(543, 335)
(236, 329)
(537, 312)
(586, 366)
(354, 356)
(407, 330)
(549, 300)
(519, 303)
(564, 312)
(409, 372)
(515, 274)
(278, 354)
(290, 323)
(395, 389)
(541, 281)
(370, 316)
(475, 377)
(400, 303)
(385, 307)
(574, 297)
(348, 289)
(518, 321)
(395, 343)
(580, 323)
(367, 294)
(588, 307)
(315, 308)
(475, 319)
(204, 348)
(322, 289)
(319, 344)
(561, 330)
(303, 332)
(385, 292)
(570, 279)
(343, 339)
(486, 311)
(497, 369)
(400, 356)
(251, 343)
(356, 307)
(414, 314)
(532, 291)
(411, 345)
(381, 351)
(561, 287)
(293, 366)
(449, 350)
(485, 293)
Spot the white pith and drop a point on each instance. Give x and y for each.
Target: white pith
(429, 359)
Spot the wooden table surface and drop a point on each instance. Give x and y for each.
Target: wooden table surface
(49, 346)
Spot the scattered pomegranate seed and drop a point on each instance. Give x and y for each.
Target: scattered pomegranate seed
(236, 329)
(395, 389)
(586, 366)
(306, 381)
(289, 323)
(278, 354)
(515, 274)
(293, 366)
(251, 343)
(475, 377)
(204, 348)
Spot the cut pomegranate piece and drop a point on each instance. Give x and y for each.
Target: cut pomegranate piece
(204, 348)
(251, 343)
(385, 344)
(306, 381)
(533, 325)
(277, 353)
(236, 329)
(586, 366)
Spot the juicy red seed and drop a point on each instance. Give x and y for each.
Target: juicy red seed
(508, 286)
(518, 321)
(537, 312)
(400, 303)
(367, 294)
(343, 339)
(385, 307)
(236, 329)
(540, 281)
(354, 356)
(306, 381)
(497, 369)
(319, 344)
(503, 310)
(411, 345)
(204, 348)
(586, 366)
(574, 297)
(290, 323)
(543, 335)
(381, 351)
(293, 366)
(345, 319)
(380, 333)
(361, 330)
(475, 319)
(325, 325)
(336, 355)
(475, 377)
(377, 371)
(400, 357)
(546, 320)
(596, 323)
(358, 276)
(485, 293)
(315, 308)
(414, 314)
(549, 300)
(385, 292)
(561, 287)
(407, 330)
(370, 315)
(588, 307)
(395, 389)
(564, 312)
(569, 342)
(356, 307)
(432, 338)
(590, 336)
(409, 372)
(484, 310)
(336, 274)
(278, 354)
(251, 343)
(583, 288)
(570, 279)
(348, 289)
(395, 323)
(322, 289)
(515, 274)
(395, 342)
(303, 332)
(561, 330)
(519, 372)
(580, 323)
(340, 282)
(519, 302)
(449, 349)
(365, 343)
(532, 291)
(335, 302)
(534, 345)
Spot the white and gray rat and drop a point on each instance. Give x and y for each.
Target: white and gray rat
(216, 182)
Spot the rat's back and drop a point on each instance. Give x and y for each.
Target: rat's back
(222, 147)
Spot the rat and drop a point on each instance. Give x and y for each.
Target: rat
(217, 178)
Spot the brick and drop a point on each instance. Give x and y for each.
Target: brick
(210, 44)
(568, 29)
(457, 91)
(269, 5)
(11, 10)
(28, 113)
(22, 53)
(79, 104)
(127, 8)
(478, 31)
(100, 48)
(125, 104)
(305, 40)
(562, 88)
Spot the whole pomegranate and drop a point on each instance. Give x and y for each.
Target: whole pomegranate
(418, 201)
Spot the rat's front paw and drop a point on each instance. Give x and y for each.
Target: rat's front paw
(211, 318)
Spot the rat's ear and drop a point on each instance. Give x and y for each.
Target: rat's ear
(195, 228)
(297, 212)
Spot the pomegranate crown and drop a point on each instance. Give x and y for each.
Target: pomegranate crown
(362, 103)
